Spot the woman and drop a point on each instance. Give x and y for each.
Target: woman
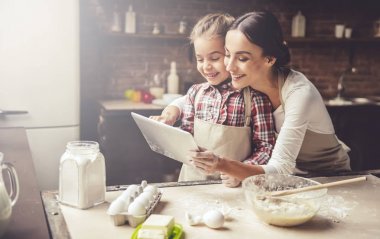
(256, 56)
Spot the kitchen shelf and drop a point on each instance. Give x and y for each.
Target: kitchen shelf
(291, 41)
(148, 37)
(350, 44)
(294, 42)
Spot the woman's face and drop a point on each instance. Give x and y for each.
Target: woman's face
(210, 59)
(244, 60)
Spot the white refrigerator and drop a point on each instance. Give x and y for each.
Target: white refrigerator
(39, 73)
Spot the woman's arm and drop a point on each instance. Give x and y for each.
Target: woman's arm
(298, 104)
(210, 163)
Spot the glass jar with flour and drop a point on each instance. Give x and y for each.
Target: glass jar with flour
(82, 175)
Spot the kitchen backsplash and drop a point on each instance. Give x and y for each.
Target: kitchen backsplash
(111, 64)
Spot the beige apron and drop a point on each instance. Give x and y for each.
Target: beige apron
(319, 152)
(223, 140)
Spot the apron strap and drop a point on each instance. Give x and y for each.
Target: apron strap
(247, 106)
(196, 99)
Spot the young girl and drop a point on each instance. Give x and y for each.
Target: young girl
(256, 56)
(232, 123)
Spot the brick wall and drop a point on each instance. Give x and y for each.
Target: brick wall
(125, 63)
(109, 65)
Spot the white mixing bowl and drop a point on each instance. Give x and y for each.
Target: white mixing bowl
(290, 210)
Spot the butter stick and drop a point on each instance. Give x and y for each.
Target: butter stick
(163, 223)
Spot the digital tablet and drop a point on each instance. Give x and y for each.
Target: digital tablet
(165, 139)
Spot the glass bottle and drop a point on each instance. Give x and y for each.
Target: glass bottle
(173, 79)
(130, 20)
(116, 21)
(182, 27)
(82, 175)
(298, 25)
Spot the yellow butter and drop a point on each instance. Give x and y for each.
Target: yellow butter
(164, 223)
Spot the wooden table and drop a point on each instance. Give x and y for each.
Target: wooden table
(28, 219)
(362, 220)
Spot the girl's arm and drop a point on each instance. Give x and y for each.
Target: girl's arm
(171, 112)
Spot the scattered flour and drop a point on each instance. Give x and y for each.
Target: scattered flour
(336, 208)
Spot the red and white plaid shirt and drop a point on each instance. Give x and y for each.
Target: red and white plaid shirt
(224, 105)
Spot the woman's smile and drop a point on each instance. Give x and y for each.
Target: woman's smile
(237, 77)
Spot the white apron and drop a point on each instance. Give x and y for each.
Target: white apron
(319, 152)
(223, 140)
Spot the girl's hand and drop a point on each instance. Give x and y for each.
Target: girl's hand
(168, 116)
(229, 181)
(166, 119)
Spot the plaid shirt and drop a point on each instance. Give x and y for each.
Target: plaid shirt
(223, 105)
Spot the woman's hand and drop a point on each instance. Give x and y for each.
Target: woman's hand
(229, 181)
(206, 161)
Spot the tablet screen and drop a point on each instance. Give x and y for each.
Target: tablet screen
(165, 139)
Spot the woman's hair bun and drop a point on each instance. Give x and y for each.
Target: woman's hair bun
(283, 57)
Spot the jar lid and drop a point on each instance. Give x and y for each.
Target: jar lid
(82, 145)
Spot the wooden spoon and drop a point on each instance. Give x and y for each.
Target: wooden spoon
(315, 187)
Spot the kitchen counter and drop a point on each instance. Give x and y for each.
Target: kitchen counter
(361, 220)
(120, 106)
(28, 218)
(358, 101)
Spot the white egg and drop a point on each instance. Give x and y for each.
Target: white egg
(213, 219)
(151, 188)
(148, 196)
(136, 194)
(116, 207)
(126, 202)
(132, 187)
(125, 195)
(130, 191)
(143, 200)
(139, 189)
(144, 183)
(136, 208)
(193, 219)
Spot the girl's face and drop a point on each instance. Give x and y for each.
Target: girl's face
(210, 59)
(244, 60)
